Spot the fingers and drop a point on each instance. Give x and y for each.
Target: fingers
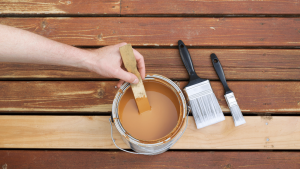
(120, 44)
(140, 63)
(120, 83)
(126, 76)
(139, 58)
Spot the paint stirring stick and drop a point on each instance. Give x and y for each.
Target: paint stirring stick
(138, 89)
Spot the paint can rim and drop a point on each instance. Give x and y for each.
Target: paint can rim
(169, 137)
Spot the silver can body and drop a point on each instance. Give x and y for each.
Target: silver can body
(158, 147)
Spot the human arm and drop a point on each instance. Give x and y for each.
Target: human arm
(21, 46)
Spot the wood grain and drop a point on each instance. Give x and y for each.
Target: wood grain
(48, 7)
(96, 97)
(90, 97)
(49, 159)
(93, 132)
(57, 96)
(204, 7)
(238, 64)
(138, 31)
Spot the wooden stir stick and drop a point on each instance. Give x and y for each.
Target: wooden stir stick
(138, 89)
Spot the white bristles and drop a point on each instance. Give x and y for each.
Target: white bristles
(204, 104)
(235, 109)
(237, 115)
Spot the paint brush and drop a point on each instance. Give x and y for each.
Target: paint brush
(204, 104)
(229, 96)
(139, 92)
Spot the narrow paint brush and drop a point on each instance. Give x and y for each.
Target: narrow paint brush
(139, 92)
(204, 104)
(229, 96)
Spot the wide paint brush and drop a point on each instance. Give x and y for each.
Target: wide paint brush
(229, 96)
(204, 104)
(138, 89)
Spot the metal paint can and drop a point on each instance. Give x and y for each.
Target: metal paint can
(156, 146)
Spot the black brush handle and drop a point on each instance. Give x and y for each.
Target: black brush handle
(187, 60)
(220, 72)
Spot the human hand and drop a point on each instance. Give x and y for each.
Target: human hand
(107, 61)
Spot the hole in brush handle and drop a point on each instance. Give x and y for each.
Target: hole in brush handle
(219, 70)
(186, 58)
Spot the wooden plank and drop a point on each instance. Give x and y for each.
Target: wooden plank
(49, 159)
(204, 7)
(38, 71)
(49, 7)
(238, 64)
(96, 97)
(57, 96)
(93, 132)
(164, 31)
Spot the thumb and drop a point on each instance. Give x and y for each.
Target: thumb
(127, 76)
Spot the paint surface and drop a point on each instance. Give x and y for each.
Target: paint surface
(154, 124)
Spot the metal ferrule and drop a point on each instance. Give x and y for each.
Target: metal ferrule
(230, 99)
(198, 90)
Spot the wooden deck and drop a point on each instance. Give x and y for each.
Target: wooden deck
(57, 117)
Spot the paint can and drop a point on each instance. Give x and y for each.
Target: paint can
(151, 147)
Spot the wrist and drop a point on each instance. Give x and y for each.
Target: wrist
(87, 60)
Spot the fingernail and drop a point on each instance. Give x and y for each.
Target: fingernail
(135, 81)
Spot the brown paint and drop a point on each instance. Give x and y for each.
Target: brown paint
(154, 124)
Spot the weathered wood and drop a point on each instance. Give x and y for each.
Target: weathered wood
(238, 64)
(171, 159)
(93, 132)
(96, 97)
(37, 7)
(37, 71)
(57, 96)
(164, 31)
(203, 7)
